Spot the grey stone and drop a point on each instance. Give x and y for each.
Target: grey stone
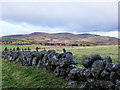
(108, 60)
(3, 54)
(81, 75)
(108, 67)
(118, 71)
(87, 73)
(57, 71)
(34, 62)
(101, 83)
(72, 59)
(75, 74)
(39, 64)
(60, 72)
(45, 59)
(63, 72)
(54, 60)
(68, 60)
(118, 84)
(62, 62)
(60, 55)
(43, 52)
(29, 61)
(71, 84)
(47, 66)
(53, 52)
(15, 56)
(66, 53)
(10, 59)
(70, 67)
(116, 65)
(25, 62)
(97, 67)
(113, 76)
(85, 86)
(105, 74)
(88, 61)
(51, 68)
(95, 57)
(17, 60)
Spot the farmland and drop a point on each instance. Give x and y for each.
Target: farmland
(17, 76)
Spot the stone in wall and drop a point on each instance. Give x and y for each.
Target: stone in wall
(88, 61)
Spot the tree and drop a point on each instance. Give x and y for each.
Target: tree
(66, 44)
(74, 44)
(43, 44)
(84, 44)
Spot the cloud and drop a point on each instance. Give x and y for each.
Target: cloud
(25, 28)
(73, 17)
(111, 33)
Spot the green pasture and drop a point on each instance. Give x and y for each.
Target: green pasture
(17, 76)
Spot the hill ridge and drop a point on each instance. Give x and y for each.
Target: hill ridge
(69, 38)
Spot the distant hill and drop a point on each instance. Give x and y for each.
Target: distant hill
(69, 38)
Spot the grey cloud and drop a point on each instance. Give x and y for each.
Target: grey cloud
(77, 17)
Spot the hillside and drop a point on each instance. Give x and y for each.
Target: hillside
(68, 38)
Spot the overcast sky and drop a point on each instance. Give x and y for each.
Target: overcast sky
(80, 17)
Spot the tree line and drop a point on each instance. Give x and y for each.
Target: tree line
(63, 44)
(14, 41)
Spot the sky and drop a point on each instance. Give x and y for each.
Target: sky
(56, 17)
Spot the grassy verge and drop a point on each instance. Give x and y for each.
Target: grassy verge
(17, 76)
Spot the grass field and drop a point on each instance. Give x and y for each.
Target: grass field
(17, 76)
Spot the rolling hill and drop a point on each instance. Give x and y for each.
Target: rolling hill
(69, 38)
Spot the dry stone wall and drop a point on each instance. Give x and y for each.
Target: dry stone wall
(99, 73)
